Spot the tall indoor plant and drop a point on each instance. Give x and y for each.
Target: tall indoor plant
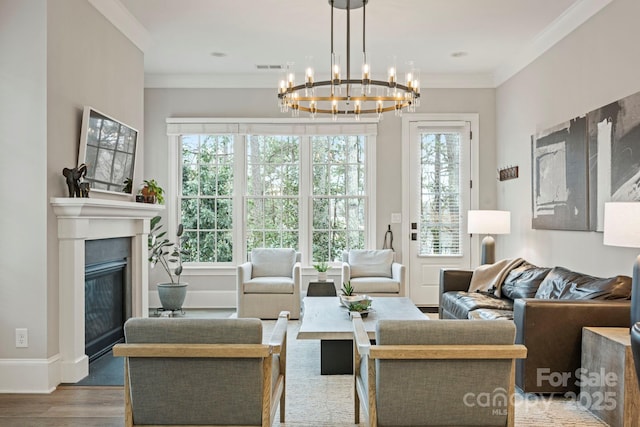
(166, 253)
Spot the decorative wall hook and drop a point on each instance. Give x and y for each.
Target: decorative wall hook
(510, 172)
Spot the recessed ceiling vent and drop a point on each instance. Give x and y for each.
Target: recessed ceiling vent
(269, 67)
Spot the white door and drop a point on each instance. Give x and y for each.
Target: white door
(440, 194)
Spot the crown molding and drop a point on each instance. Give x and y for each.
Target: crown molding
(561, 27)
(270, 81)
(124, 21)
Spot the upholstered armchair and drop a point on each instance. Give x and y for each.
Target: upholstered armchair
(434, 373)
(214, 372)
(269, 283)
(373, 272)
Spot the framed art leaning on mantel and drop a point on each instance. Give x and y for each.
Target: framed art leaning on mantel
(108, 148)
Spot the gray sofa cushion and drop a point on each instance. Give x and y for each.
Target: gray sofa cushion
(412, 391)
(460, 303)
(524, 281)
(272, 262)
(370, 263)
(562, 283)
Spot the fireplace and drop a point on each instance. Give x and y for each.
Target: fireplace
(107, 294)
(80, 221)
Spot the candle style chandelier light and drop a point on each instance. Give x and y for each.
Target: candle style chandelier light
(346, 96)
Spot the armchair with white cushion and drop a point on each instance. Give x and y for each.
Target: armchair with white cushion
(373, 272)
(269, 283)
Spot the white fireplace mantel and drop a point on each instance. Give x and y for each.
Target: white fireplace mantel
(81, 219)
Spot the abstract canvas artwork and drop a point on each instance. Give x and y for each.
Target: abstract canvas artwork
(560, 177)
(614, 156)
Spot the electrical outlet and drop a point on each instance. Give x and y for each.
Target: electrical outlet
(22, 337)
(396, 218)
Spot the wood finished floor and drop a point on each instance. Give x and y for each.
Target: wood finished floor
(67, 406)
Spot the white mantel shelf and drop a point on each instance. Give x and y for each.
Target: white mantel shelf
(79, 220)
(70, 207)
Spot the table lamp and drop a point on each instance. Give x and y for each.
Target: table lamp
(622, 228)
(488, 222)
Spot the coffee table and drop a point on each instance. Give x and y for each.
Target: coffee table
(326, 319)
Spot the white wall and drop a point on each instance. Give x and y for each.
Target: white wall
(596, 64)
(262, 103)
(56, 57)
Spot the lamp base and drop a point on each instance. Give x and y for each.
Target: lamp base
(488, 250)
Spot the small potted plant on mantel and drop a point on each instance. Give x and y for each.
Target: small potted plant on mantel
(167, 253)
(322, 268)
(152, 192)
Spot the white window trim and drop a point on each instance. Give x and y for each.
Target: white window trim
(240, 127)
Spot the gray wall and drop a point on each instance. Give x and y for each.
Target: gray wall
(596, 64)
(89, 62)
(23, 165)
(262, 103)
(57, 57)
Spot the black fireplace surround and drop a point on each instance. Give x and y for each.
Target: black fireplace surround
(107, 293)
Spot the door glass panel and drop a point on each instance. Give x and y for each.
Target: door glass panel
(440, 222)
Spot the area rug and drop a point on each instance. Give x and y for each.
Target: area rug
(315, 400)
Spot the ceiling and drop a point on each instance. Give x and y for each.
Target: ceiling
(452, 42)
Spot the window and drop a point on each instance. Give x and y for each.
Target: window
(309, 186)
(338, 195)
(206, 197)
(272, 188)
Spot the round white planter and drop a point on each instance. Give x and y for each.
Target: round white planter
(322, 276)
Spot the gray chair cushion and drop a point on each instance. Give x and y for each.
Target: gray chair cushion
(272, 262)
(200, 391)
(442, 392)
(370, 263)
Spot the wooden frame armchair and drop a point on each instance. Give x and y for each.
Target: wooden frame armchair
(214, 372)
(433, 373)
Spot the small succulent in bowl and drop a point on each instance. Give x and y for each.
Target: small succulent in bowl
(347, 289)
(360, 306)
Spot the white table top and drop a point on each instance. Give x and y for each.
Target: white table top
(325, 318)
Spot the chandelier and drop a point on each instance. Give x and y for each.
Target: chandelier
(343, 95)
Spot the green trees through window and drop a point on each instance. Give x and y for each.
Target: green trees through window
(273, 195)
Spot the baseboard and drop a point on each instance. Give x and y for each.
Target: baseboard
(29, 375)
(201, 299)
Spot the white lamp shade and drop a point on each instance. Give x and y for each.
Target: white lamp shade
(622, 224)
(489, 222)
